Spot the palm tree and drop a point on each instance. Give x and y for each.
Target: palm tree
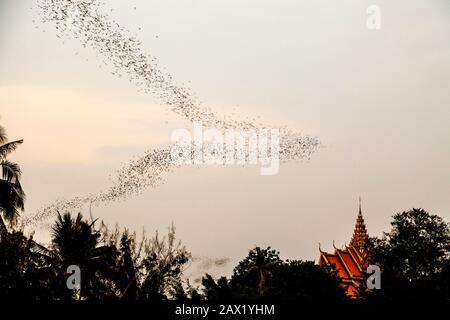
(258, 266)
(264, 260)
(75, 241)
(12, 196)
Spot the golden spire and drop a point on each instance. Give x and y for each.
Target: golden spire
(360, 236)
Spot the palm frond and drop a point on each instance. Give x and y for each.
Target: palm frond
(10, 171)
(9, 147)
(39, 248)
(12, 196)
(12, 200)
(3, 137)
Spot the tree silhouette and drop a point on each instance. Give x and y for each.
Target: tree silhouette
(305, 281)
(24, 270)
(256, 267)
(164, 262)
(262, 275)
(75, 241)
(149, 268)
(216, 291)
(414, 258)
(12, 196)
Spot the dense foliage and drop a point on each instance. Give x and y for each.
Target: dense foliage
(414, 257)
(262, 275)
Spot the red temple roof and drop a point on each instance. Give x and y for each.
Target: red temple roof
(332, 259)
(350, 262)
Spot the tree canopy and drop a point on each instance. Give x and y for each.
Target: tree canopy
(414, 257)
(263, 275)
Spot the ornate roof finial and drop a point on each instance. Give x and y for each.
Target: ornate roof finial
(360, 236)
(360, 212)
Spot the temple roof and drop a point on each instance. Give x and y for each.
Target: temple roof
(350, 262)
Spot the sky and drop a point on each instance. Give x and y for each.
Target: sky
(379, 101)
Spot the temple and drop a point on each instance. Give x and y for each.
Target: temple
(351, 261)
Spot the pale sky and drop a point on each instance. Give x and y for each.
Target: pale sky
(378, 100)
